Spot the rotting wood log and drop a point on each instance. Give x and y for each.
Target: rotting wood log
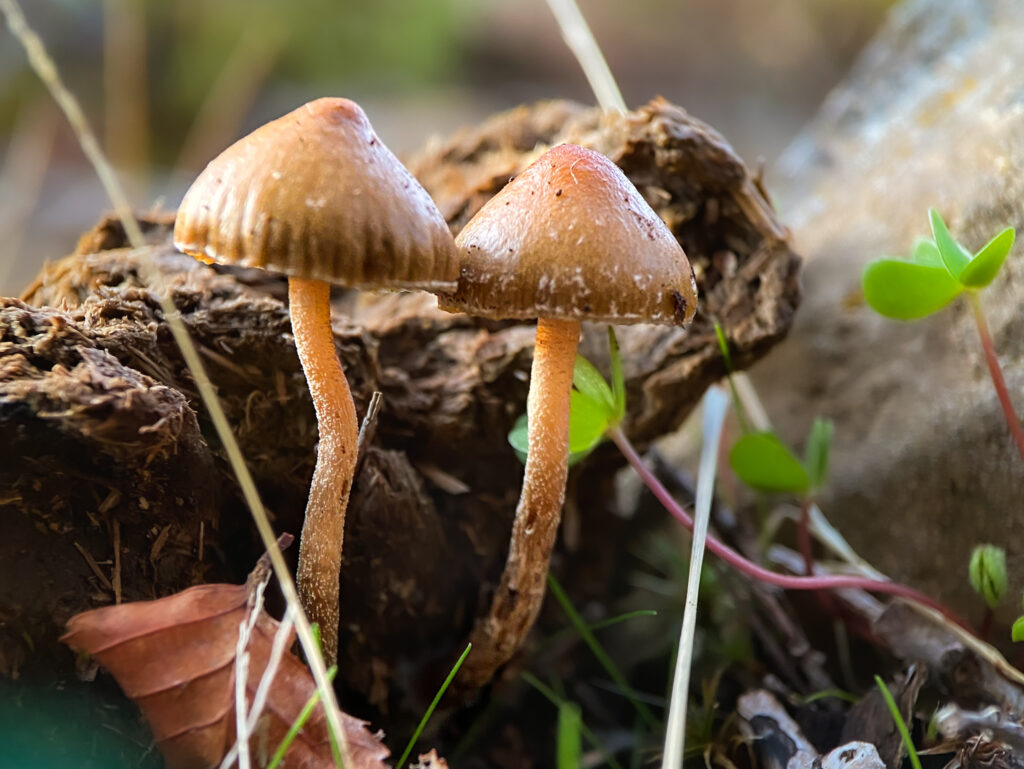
(104, 433)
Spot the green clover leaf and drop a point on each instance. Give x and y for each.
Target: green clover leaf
(764, 463)
(954, 256)
(594, 406)
(986, 263)
(908, 290)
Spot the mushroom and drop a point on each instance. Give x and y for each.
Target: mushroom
(569, 239)
(317, 196)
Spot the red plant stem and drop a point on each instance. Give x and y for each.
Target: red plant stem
(996, 372)
(986, 624)
(751, 569)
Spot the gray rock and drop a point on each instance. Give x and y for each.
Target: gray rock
(923, 465)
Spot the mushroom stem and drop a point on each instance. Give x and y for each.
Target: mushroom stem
(520, 594)
(324, 528)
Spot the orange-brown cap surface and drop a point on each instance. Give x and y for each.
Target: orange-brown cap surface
(316, 194)
(571, 238)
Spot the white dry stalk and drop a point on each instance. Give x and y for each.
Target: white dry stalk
(282, 639)
(259, 700)
(751, 401)
(45, 68)
(245, 627)
(577, 35)
(241, 746)
(716, 406)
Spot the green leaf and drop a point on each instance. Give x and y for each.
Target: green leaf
(519, 437)
(618, 379)
(588, 420)
(816, 454)
(1017, 631)
(764, 463)
(986, 264)
(927, 253)
(570, 741)
(907, 291)
(954, 256)
(588, 380)
(987, 572)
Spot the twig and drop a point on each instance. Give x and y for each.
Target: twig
(716, 405)
(94, 567)
(996, 372)
(47, 71)
(367, 429)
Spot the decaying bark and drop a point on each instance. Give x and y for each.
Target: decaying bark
(109, 443)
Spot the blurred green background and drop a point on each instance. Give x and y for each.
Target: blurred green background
(167, 85)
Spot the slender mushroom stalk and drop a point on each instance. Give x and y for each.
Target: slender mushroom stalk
(567, 240)
(317, 196)
(323, 531)
(535, 528)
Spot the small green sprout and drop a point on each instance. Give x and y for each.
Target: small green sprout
(938, 272)
(987, 573)
(1017, 631)
(762, 461)
(595, 406)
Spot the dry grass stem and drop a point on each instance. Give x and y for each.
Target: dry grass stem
(45, 68)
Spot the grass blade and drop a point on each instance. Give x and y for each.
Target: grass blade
(300, 722)
(432, 707)
(570, 743)
(558, 702)
(901, 725)
(598, 651)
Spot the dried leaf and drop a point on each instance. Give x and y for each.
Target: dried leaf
(175, 657)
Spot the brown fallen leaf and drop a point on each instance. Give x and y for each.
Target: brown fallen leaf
(175, 657)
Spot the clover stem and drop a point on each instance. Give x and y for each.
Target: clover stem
(323, 531)
(519, 596)
(751, 569)
(996, 372)
(804, 536)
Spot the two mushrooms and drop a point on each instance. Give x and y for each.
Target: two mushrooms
(316, 196)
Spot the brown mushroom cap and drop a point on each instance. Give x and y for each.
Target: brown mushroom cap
(571, 238)
(316, 194)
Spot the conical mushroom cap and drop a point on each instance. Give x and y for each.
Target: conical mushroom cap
(316, 194)
(571, 238)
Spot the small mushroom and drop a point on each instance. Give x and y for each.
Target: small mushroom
(317, 196)
(569, 239)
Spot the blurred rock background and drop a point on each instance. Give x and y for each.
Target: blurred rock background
(168, 85)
